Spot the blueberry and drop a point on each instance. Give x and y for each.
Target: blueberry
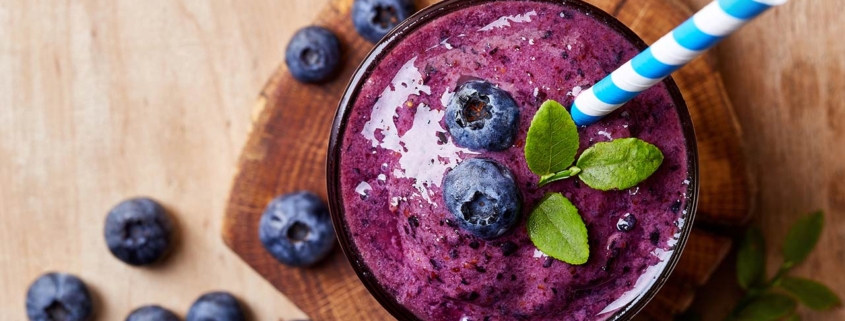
(58, 297)
(152, 313)
(313, 54)
(138, 231)
(481, 116)
(216, 306)
(626, 223)
(483, 197)
(296, 229)
(375, 18)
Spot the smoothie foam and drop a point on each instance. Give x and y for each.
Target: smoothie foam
(395, 151)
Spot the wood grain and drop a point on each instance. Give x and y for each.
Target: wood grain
(285, 152)
(785, 73)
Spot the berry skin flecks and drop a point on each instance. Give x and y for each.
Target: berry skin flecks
(626, 223)
(483, 197)
(296, 229)
(216, 306)
(480, 116)
(373, 19)
(313, 54)
(58, 297)
(138, 231)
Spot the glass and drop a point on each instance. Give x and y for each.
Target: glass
(407, 27)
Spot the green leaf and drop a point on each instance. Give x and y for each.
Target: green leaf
(767, 307)
(552, 140)
(814, 295)
(802, 238)
(557, 229)
(618, 164)
(751, 259)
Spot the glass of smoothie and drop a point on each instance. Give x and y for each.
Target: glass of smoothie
(391, 148)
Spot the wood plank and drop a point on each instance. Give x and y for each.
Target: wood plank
(286, 149)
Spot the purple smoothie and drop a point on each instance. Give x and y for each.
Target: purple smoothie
(395, 150)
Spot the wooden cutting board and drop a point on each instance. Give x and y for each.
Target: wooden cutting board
(287, 144)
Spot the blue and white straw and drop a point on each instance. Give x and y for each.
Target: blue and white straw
(689, 40)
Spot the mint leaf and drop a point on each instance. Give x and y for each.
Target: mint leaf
(814, 295)
(552, 140)
(618, 164)
(801, 239)
(767, 307)
(751, 259)
(557, 229)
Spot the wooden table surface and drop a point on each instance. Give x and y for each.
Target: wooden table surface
(103, 100)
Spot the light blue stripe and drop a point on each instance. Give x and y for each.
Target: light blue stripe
(610, 93)
(582, 119)
(743, 9)
(647, 66)
(692, 38)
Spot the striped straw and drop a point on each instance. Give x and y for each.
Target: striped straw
(674, 50)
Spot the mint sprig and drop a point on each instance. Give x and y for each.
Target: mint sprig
(556, 229)
(553, 141)
(778, 297)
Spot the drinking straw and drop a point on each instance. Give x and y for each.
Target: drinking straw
(689, 40)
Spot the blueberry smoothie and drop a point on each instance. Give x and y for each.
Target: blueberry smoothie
(395, 149)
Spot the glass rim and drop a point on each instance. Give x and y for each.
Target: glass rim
(383, 47)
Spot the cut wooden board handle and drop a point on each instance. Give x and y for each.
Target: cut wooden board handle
(286, 151)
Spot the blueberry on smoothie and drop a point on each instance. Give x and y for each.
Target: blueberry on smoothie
(138, 231)
(481, 116)
(152, 313)
(296, 229)
(216, 306)
(483, 197)
(313, 54)
(58, 297)
(375, 18)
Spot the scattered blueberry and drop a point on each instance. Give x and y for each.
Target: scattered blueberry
(483, 197)
(626, 223)
(313, 54)
(138, 231)
(375, 18)
(152, 313)
(58, 297)
(296, 229)
(216, 306)
(481, 116)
